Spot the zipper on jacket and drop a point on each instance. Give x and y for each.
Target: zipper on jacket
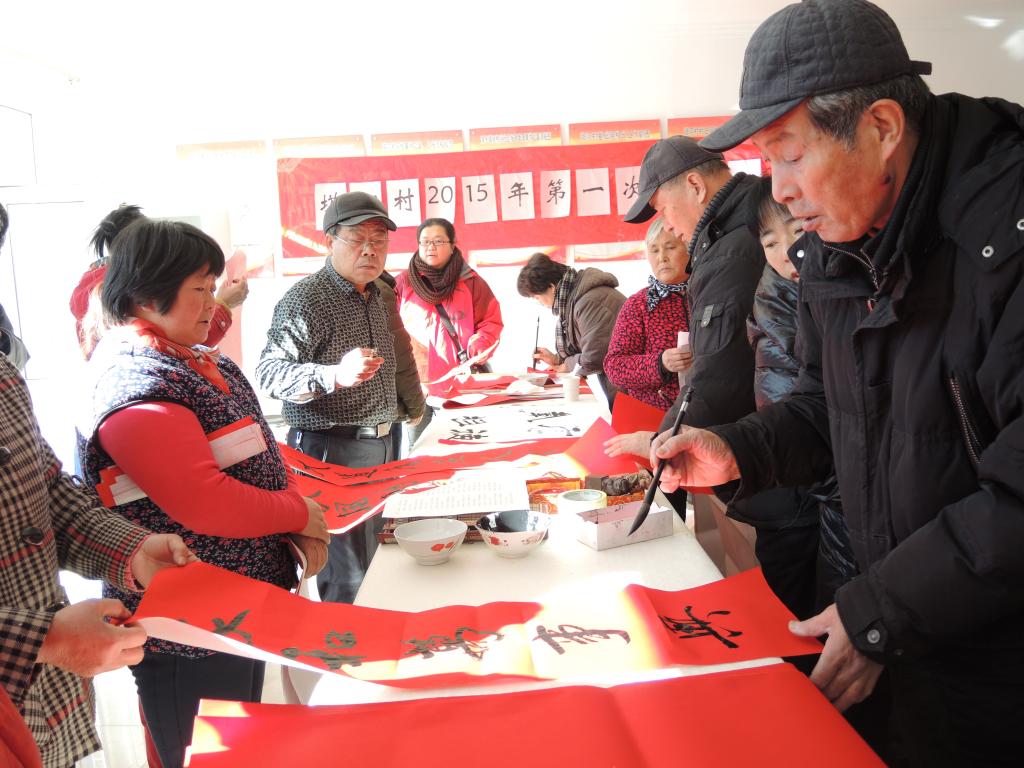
(969, 432)
(876, 278)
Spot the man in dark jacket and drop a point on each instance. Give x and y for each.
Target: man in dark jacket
(705, 206)
(911, 330)
(703, 203)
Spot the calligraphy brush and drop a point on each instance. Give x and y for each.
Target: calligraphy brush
(645, 505)
(536, 345)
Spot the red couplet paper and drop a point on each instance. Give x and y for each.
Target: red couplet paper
(408, 469)
(347, 506)
(631, 415)
(447, 645)
(735, 619)
(496, 399)
(765, 716)
(589, 453)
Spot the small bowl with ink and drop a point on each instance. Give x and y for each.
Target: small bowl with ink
(431, 541)
(514, 533)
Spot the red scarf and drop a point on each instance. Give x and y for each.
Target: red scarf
(203, 363)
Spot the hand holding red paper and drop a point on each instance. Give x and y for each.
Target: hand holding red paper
(159, 551)
(631, 444)
(316, 525)
(356, 366)
(694, 458)
(80, 640)
(844, 674)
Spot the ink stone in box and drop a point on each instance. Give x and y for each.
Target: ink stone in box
(609, 527)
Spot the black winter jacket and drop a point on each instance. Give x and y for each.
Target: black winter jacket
(772, 328)
(724, 269)
(921, 400)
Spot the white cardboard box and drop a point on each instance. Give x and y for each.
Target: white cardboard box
(608, 527)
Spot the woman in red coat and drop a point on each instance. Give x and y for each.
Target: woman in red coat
(645, 357)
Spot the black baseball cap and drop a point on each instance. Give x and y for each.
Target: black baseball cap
(665, 160)
(354, 208)
(808, 49)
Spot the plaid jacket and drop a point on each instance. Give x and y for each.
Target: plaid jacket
(48, 521)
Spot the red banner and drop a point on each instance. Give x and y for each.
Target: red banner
(507, 198)
(766, 716)
(591, 632)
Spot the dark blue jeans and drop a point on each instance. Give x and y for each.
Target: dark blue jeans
(170, 688)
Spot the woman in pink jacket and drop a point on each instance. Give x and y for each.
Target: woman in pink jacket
(447, 308)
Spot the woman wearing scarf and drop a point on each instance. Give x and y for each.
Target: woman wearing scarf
(644, 359)
(586, 304)
(447, 308)
(174, 440)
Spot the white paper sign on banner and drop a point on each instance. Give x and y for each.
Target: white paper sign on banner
(478, 199)
(404, 202)
(592, 193)
(369, 187)
(517, 196)
(323, 194)
(751, 166)
(555, 194)
(439, 198)
(627, 187)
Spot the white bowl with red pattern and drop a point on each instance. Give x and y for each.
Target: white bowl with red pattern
(514, 533)
(431, 541)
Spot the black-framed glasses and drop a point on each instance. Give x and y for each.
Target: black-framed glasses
(437, 243)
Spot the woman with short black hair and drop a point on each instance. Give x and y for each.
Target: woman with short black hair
(586, 304)
(173, 438)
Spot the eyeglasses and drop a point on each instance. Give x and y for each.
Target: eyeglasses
(435, 243)
(359, 245)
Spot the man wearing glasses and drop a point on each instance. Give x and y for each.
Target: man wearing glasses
(330, 357)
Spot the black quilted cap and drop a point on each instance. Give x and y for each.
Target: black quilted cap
(665, 160)
(811, 48)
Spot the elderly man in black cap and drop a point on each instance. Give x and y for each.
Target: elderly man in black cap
(702, 202)
(911, 334)
(330, 358)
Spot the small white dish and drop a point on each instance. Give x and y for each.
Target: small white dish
(431, 541)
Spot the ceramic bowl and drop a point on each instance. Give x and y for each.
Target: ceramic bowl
(432, 541)
(515, 533)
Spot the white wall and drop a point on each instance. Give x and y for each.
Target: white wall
(115, 88)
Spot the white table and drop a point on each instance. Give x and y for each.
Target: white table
(560, 567)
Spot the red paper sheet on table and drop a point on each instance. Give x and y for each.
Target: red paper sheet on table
(767, 716)
(588, 452)
(582, 635)
(337, 474)
(722, 612)
(631, 415)
(213, 608)
(473, 385)
(496, 399)
(347, 506)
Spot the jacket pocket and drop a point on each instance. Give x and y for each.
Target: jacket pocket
(712, 331)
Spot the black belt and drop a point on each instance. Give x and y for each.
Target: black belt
(355, 431)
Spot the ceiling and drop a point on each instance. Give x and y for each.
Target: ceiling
(206, 71)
